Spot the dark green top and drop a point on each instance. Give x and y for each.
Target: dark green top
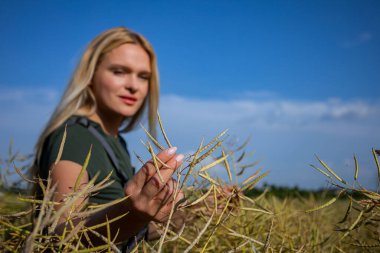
(77, 145)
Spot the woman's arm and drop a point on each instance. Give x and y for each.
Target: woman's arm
(150, 199)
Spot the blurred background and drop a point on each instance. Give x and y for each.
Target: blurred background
(300, 77)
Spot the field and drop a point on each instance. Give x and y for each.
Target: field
(270, 224)
(220, 216)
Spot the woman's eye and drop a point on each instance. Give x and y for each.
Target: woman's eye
(117, 71)
(145, 77)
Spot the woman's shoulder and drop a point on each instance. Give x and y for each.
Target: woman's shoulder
(71, 132)
(75, 141)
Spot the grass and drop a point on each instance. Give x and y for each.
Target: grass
(220, 216)
(9, 203)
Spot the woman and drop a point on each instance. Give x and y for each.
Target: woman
(114, 82)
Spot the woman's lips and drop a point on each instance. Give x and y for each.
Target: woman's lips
(128, 100)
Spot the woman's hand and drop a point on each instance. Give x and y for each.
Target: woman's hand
(149, 197)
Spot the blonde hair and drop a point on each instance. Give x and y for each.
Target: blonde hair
(78, 99)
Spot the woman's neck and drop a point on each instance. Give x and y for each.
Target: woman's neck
(109, 123)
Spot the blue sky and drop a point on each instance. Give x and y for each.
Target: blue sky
(300, 77)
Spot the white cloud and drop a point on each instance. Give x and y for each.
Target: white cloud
(25, 109)
(27, 95)
(23, 114)
(286, 133)
(272, 114)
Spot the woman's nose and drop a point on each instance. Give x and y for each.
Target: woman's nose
(131, 83)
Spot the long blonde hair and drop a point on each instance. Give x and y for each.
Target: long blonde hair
(78, 99)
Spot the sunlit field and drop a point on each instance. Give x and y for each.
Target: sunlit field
(221, 216)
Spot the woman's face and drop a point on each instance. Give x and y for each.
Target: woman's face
(121, 81)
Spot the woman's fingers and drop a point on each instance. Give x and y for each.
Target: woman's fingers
(164, 211)
(136, 183)
(152, 194)
(163, 196)
(167, 192)
(155, 184)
